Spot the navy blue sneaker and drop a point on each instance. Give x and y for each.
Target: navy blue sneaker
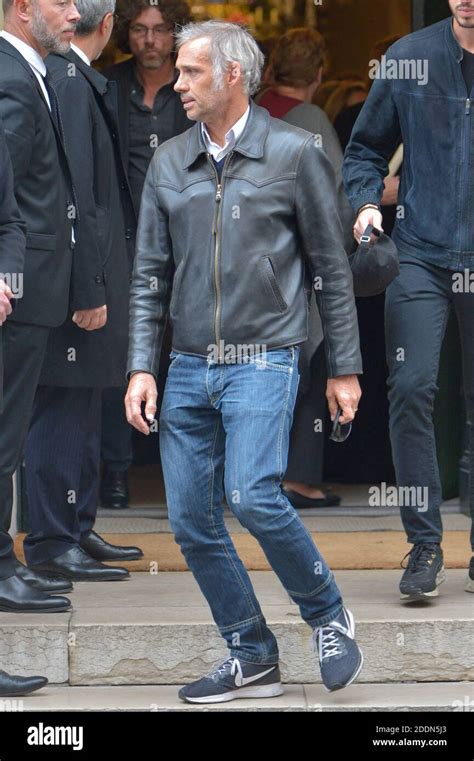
(234, 679)
(424, 572)
(340, 657)
(470, 579)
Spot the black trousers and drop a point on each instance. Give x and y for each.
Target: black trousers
(62, 469)
(24, 348)
(117, 449)
(417, 306)
(306, 452)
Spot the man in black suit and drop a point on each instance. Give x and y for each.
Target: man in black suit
(45, 198)
(63, 449)
(12, 257)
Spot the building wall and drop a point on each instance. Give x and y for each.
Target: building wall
(351, 28)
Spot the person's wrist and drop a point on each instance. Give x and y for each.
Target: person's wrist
(368, 206)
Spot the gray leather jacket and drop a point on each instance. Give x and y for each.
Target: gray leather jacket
(229, 261)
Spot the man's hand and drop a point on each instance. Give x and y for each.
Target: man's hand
(91, 319)
(367, 217)
(6, 296)
(344, 392)
(390, 194)
(142, 388)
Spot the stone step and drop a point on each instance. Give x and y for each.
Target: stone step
(157, 630)
(440, 696)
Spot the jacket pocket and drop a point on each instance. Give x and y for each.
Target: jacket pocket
(271, 283)
(41, 241)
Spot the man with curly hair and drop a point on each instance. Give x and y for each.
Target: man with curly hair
(150, 112)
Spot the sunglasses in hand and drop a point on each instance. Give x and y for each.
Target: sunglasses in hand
(340, 431)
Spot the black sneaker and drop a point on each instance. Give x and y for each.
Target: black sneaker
(234, 679)
(424, 572)
(340, 658)
(470, 579)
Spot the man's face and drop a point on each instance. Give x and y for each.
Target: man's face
(150, 39)
(195, 84)
(53, 23)
(463, 12)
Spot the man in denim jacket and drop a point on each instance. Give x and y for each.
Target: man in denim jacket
(422, 95)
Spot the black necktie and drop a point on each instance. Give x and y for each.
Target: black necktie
(56, 115)
(55, 112)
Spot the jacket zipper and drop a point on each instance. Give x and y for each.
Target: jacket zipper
(465, 164)
(217, 249)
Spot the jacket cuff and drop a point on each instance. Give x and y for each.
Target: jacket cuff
(337, 370)
(134, 372)
(98, 299)
(360, 200)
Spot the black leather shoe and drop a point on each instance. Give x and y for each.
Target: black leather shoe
(15, 686)
(43, 583)
(114, 492)
(99, 549)
(77, 565)
(300, 501)
(17, 596)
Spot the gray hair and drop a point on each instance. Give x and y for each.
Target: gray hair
(92, 12)
(228, 42)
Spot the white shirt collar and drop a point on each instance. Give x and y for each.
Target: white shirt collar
(30, 54)
(32, 57)
(80, 53)
(217, 151)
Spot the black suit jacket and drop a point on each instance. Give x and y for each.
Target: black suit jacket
(42, 188)
(12, 235)
(105, 231)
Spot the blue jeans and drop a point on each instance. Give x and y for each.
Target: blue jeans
(224, 430)
(417, 306)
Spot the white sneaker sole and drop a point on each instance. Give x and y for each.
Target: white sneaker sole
(262, 691)
(416, 596)
(470, 585)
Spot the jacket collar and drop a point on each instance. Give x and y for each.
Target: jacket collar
(95, 78)
(9, 49)
(453, 45)
(251, 142)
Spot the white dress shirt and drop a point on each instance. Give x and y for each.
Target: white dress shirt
(34, 59)
(217, 151)
(80, 53)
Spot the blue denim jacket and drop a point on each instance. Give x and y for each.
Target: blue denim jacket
(435, 122)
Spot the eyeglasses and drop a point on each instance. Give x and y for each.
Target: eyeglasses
(157, 31)
(340, 432)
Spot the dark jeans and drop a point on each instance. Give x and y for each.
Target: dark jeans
(416, 312)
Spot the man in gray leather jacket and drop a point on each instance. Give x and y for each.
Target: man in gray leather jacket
(238, 217)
